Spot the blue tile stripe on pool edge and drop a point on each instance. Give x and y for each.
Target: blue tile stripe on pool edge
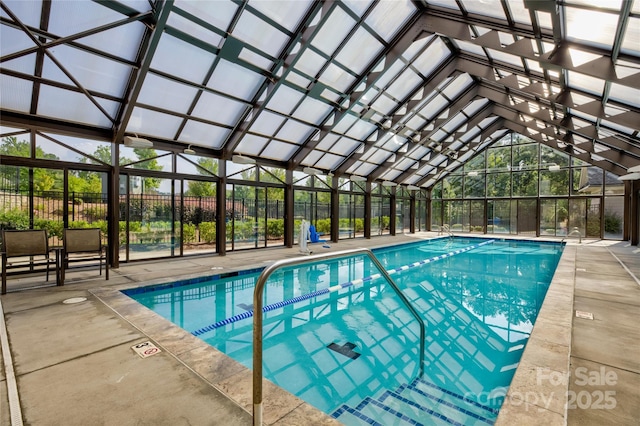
(271, 307)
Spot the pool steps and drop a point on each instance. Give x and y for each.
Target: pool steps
(417, 403)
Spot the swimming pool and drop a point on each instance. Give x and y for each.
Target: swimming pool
(353, 352)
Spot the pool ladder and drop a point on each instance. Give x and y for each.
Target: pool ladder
(258, 294)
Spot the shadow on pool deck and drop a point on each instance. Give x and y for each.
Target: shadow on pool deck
(74, 364)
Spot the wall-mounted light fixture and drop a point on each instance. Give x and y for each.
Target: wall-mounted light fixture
(389, 183)
(311, 171)
(355, 178)
(189, 151)
(241, 159)
(136, 142)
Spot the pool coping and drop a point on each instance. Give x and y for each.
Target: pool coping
(537, 392)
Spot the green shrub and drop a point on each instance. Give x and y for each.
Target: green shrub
(188, 233)
(208, 232)
(323, 226)
(612, 223)
(96, 212)
(14, 219)
(275, 228)
(53, 228)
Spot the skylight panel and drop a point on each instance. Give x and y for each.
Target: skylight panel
(475, 106)
(492, 8)
(631, 40)
(252, 144)
(455, 122)
(359, 51)
(294, 131)
(86, 16)
(287, 14)
(389, 16)
(431, 58)
(310, 62)
(384, 104)
(465, 46)
(519, 13)
(279, 151)
(205, 135)
(390, 74)
(181, 59)
(260, 34)
(328, 141)
(358, 6)
(334, 30)
(104, 76)
(312, 111)
(28, 12)
(298, 80)
(285, 99)
(404, 84)
(329, 161)
(434, 107)
(235, 80)
(506, 57)
(345, 146)
(337, 78)
(13, 40)
(586, 83)
(345, 123)
(361, 130)
(451, 4)
(153, 123)
(592, 27)
(625, 94)
(218, 13)
(457, 86)
(194, 30)
(219, 109)
(16, 93)
(167, 94)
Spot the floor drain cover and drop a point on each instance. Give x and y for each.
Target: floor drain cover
(74, 300)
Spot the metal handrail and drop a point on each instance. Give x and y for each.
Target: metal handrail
(257, 315)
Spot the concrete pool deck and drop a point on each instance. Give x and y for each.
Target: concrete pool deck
(74, 365)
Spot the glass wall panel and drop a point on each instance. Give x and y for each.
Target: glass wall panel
(548, 217)
(150, 218)
(455, 215)
(527, 217)
(613, 217)
(577, 217)
(347, 216)
(498, 184)
(594, 229)
(199, 216)
(275, 216)
(555, 182)
(476, 216)
(15, 204)
(587, 180)
(498, 216)
(474, 185)
(452, 186)
(436, 215)
(525, 184)
(499, 159)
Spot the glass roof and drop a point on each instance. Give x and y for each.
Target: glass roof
(391, 90)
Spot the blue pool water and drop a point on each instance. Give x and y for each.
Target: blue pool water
(354, 352)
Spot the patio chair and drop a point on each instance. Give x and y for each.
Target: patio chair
(84, 245)
(23, 250)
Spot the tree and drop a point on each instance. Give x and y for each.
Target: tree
(11, 146)
(203, 188)
(147, 158)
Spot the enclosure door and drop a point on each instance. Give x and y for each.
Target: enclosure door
(148, 210)
(198, 213)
